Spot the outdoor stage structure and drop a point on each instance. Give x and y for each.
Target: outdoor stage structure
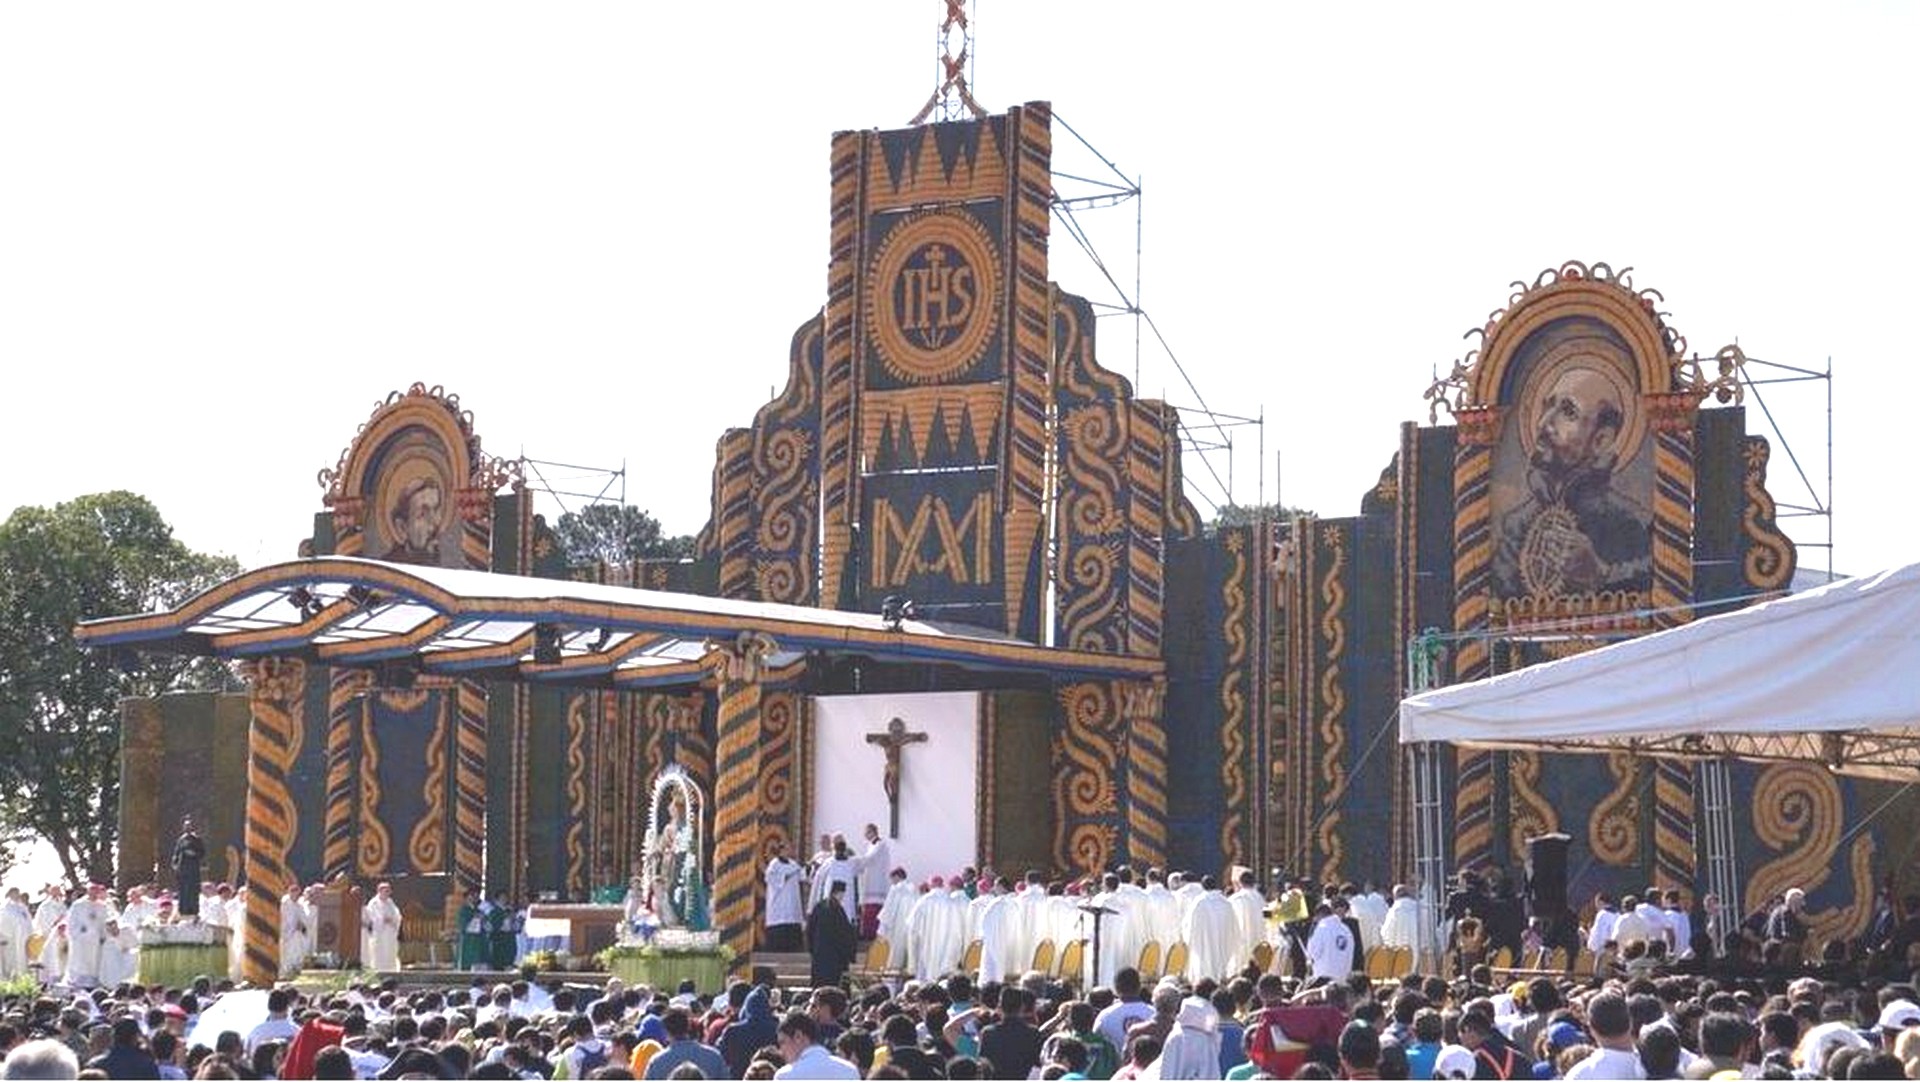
(438, 700)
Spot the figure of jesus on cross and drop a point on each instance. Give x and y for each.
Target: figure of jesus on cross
(891, 741)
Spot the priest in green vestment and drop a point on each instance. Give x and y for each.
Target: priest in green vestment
(471, 925)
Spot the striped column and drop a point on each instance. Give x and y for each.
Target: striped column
(1140, 712)
(273, 740)
(738, 668)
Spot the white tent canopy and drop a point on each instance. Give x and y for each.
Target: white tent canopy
(1831, 675)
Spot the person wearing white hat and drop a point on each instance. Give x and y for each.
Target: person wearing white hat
(1897, 1017)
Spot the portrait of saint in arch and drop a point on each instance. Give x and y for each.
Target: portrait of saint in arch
(1573, 470)
(410, 512)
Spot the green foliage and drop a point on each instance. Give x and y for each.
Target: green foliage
(1233, 514)
(99, 555)
(616, 534)
(605, 958)
(23, 988)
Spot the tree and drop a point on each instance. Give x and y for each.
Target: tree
(1233, 514)
(616, 534)
(99, 555)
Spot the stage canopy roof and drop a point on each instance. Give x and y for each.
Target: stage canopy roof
(1829, 676)
(355, 612)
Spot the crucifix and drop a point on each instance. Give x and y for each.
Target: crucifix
(891, 741)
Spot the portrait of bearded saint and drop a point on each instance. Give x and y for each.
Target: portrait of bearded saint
(1575, 533)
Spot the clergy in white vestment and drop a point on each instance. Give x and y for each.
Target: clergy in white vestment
(784, 913)
(53, 954)
(1605, 918)
(892, 922)
(213, 903)
(1188, 891)
(1657, 925)
(119, 954)
(837, 869)
(1250, 913)
(51, 911)
(811, 871)
(1679, 925)
(874, 869)
(1161, 912)
(86, 929)
(1631, 926)
(1402, 926)
(296, 938)
(381, 919)
(1000, 936)
(1031, 898)
(1061, 920)
(1212, 934)
(1370, 909)
(1106, 951)
(1131, 899)
(139, 909)
(1330, 947)
(234, 903)
(937, 931)
(16, 929)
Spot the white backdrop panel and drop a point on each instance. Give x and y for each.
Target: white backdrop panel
(939, 781)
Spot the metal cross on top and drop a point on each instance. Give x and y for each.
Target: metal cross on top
(891, 741)
(952, 97)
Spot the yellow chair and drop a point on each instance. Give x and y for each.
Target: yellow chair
(1262, 956)
(1043, 956)
(1177, 959)
(1073, 960)
(1502, 958)
(1149, 967)
(1402, 963)
(878, 954)
(1379, 963)
(1555, 959)
(970, 960)
(1584, 963)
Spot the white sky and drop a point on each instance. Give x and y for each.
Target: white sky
(226, 230)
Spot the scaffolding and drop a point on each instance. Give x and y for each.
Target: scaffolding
(1209, 436)
(565, 487)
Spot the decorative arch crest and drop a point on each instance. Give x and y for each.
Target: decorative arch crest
(418, 446)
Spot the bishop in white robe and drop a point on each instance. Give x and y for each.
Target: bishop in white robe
(1162, 913)
(86, 929)
(1213, 936)
(381, 919)
(296, 941)
(1370, 909)
(16, 930)
(1401, 928)
(938, 931)
(1000, 937)
(1250, 920)
(892, 923)
(119, 954)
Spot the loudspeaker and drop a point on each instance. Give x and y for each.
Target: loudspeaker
(1547, 873)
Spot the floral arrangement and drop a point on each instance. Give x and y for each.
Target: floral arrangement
(669, 941)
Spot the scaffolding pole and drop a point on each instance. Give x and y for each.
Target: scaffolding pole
(1429, 813)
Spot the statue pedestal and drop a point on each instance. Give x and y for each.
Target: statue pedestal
(173, 955)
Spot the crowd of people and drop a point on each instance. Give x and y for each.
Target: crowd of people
(1271, 984)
